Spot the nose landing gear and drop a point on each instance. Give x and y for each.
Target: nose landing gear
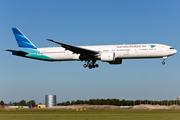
(164, 60)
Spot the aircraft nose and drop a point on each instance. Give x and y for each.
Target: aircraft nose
(175, 51)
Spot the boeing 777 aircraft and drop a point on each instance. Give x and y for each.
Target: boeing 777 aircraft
(113, 54)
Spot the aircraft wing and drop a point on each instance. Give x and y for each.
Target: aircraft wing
(75, 49)
(16, 51)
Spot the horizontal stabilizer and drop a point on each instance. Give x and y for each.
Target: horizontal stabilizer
(16, 51)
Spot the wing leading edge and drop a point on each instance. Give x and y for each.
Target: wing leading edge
(75, 49)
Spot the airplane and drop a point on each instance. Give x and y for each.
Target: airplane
(113, 54)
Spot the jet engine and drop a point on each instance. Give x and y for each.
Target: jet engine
(108, 56)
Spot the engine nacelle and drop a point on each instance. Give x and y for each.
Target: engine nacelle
(108, 56)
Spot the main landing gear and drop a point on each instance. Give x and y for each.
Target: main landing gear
(164, 60)
(91, 64)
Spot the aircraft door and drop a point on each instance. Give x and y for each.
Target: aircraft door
(161, 48)
(136, 50)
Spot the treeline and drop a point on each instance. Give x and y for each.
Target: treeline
(20, 103)
(115, 102)
(118, 102)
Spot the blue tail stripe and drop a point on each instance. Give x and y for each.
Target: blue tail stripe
(22, 40)
(16, 31)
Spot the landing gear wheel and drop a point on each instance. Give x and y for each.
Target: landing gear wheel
(96, 65)
(90, 67)
(84, 65)
(163, 62)
(90, 64)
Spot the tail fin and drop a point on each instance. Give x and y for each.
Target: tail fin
(22, 40)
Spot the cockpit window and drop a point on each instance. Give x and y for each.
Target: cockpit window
(171, 48)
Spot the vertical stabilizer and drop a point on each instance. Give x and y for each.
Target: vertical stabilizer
(22, 40)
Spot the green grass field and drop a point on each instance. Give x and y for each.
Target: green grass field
(89, 114)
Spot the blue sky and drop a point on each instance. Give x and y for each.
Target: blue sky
(93, 22)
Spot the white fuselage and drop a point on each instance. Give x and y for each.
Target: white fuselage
(129, 51)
